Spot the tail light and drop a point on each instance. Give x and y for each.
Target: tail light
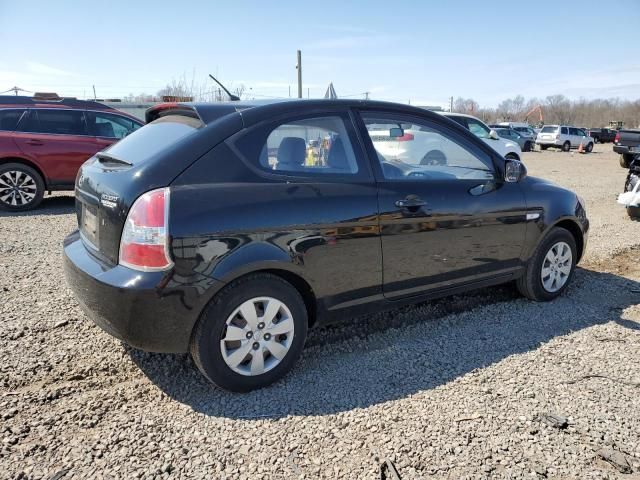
(617, 139)
(145, 241)
(405, 138)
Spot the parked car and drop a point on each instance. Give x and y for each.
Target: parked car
(627, 144)
(526, 143)
(602, 135)
(192, 239)
(44, 142)
(564, 137)
(506, 148)
(522, 128)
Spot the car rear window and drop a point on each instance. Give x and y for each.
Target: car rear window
(549, 129)
(154, 137)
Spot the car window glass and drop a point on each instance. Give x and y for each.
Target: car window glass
(408, 150)
(9, 118)
(110, 125)
(564, 131)
(318, 145)
(477, 128)
(549, 129)
(573, 131)
(581, 132)
(61, 122)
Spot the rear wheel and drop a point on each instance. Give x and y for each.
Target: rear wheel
(626, 159)
(550, 268)
(596, 140)
(566, 146)
(633, 212)
(527, 147)
(251, 334)
(543, 147)
(21, 187)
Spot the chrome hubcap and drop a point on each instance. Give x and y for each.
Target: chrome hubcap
(556, 267)
(17, 188)
(257, 336)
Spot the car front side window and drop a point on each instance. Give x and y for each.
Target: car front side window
(478, 129)
(110, 125)
(409, 149)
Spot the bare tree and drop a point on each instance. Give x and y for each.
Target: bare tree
(465, 105)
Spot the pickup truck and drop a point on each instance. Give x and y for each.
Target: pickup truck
(602, 135)
(627, 144)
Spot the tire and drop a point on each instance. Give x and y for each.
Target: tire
(633, 212)
(21, 187)
(589, 148)
(543, 147)
(566, 146)
(527, 147)
(531, 283)
(626, 159)
(209, 350)
(596, 140)
(512, 156)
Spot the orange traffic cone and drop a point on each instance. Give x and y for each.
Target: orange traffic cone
(581, 148)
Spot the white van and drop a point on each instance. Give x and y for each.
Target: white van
(563, 137)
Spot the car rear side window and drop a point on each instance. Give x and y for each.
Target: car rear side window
(564, 131)
(109, 125)
(59, 122)
(9, 118)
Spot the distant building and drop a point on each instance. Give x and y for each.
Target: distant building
(136, 109)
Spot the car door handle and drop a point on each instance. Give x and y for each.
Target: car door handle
(410, 203)
(33, 141)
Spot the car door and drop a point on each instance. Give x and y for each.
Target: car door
(316, 200)
(446, 217)
(57, 140)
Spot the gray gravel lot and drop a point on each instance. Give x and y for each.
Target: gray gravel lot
(457, 388)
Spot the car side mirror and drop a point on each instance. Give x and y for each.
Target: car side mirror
(493, 135)
(514, 171)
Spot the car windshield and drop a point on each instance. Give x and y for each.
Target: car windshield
(549, 129)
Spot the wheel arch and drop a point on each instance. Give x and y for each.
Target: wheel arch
(575, 230)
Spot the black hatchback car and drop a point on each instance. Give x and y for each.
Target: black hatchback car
(229, 229)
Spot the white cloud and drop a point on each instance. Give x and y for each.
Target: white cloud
(42, 69)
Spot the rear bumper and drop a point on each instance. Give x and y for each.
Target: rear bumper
(622, 149)
(550, 142)
(152, 311)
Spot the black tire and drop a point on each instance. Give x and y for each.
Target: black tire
(530, 284)
(626, 159)
(527, 147)
(9, 170)
(543, 147)
(633, 212)
(566, 146)
(589, 148)
(596, 140)
(205, 341)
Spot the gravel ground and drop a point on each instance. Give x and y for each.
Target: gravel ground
(458, 388)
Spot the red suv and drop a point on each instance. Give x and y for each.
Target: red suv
(43, 143)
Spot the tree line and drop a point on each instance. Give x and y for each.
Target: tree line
(556, 109)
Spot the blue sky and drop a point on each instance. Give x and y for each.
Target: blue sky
(422, 51)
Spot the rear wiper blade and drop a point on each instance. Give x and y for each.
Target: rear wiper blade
(107, 157)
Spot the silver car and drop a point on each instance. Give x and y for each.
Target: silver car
(526, 142)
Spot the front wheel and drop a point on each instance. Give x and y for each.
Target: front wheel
(21, 187)
(626, 159)
(251, 334)
(589, 148)
(566, 146)
(550, 268)
(633, 212)
(527, 147)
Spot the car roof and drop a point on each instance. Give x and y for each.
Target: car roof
(254, 111)
(21, 101)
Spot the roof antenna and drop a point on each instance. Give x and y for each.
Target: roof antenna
(233, 98)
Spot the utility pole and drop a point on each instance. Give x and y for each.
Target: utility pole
(289, 91)
(94, 92)
(299, 67)
(307, 92)
(450, 104)
(366, 95)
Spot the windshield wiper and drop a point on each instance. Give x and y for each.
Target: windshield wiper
(104, 157)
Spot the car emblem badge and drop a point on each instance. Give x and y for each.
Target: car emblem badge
(108, 201)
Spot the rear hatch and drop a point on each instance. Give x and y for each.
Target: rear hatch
(109, 182)
(549, 132)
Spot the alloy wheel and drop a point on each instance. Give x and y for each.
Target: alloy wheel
(556, 267)
(17, 188)
(257, 337)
